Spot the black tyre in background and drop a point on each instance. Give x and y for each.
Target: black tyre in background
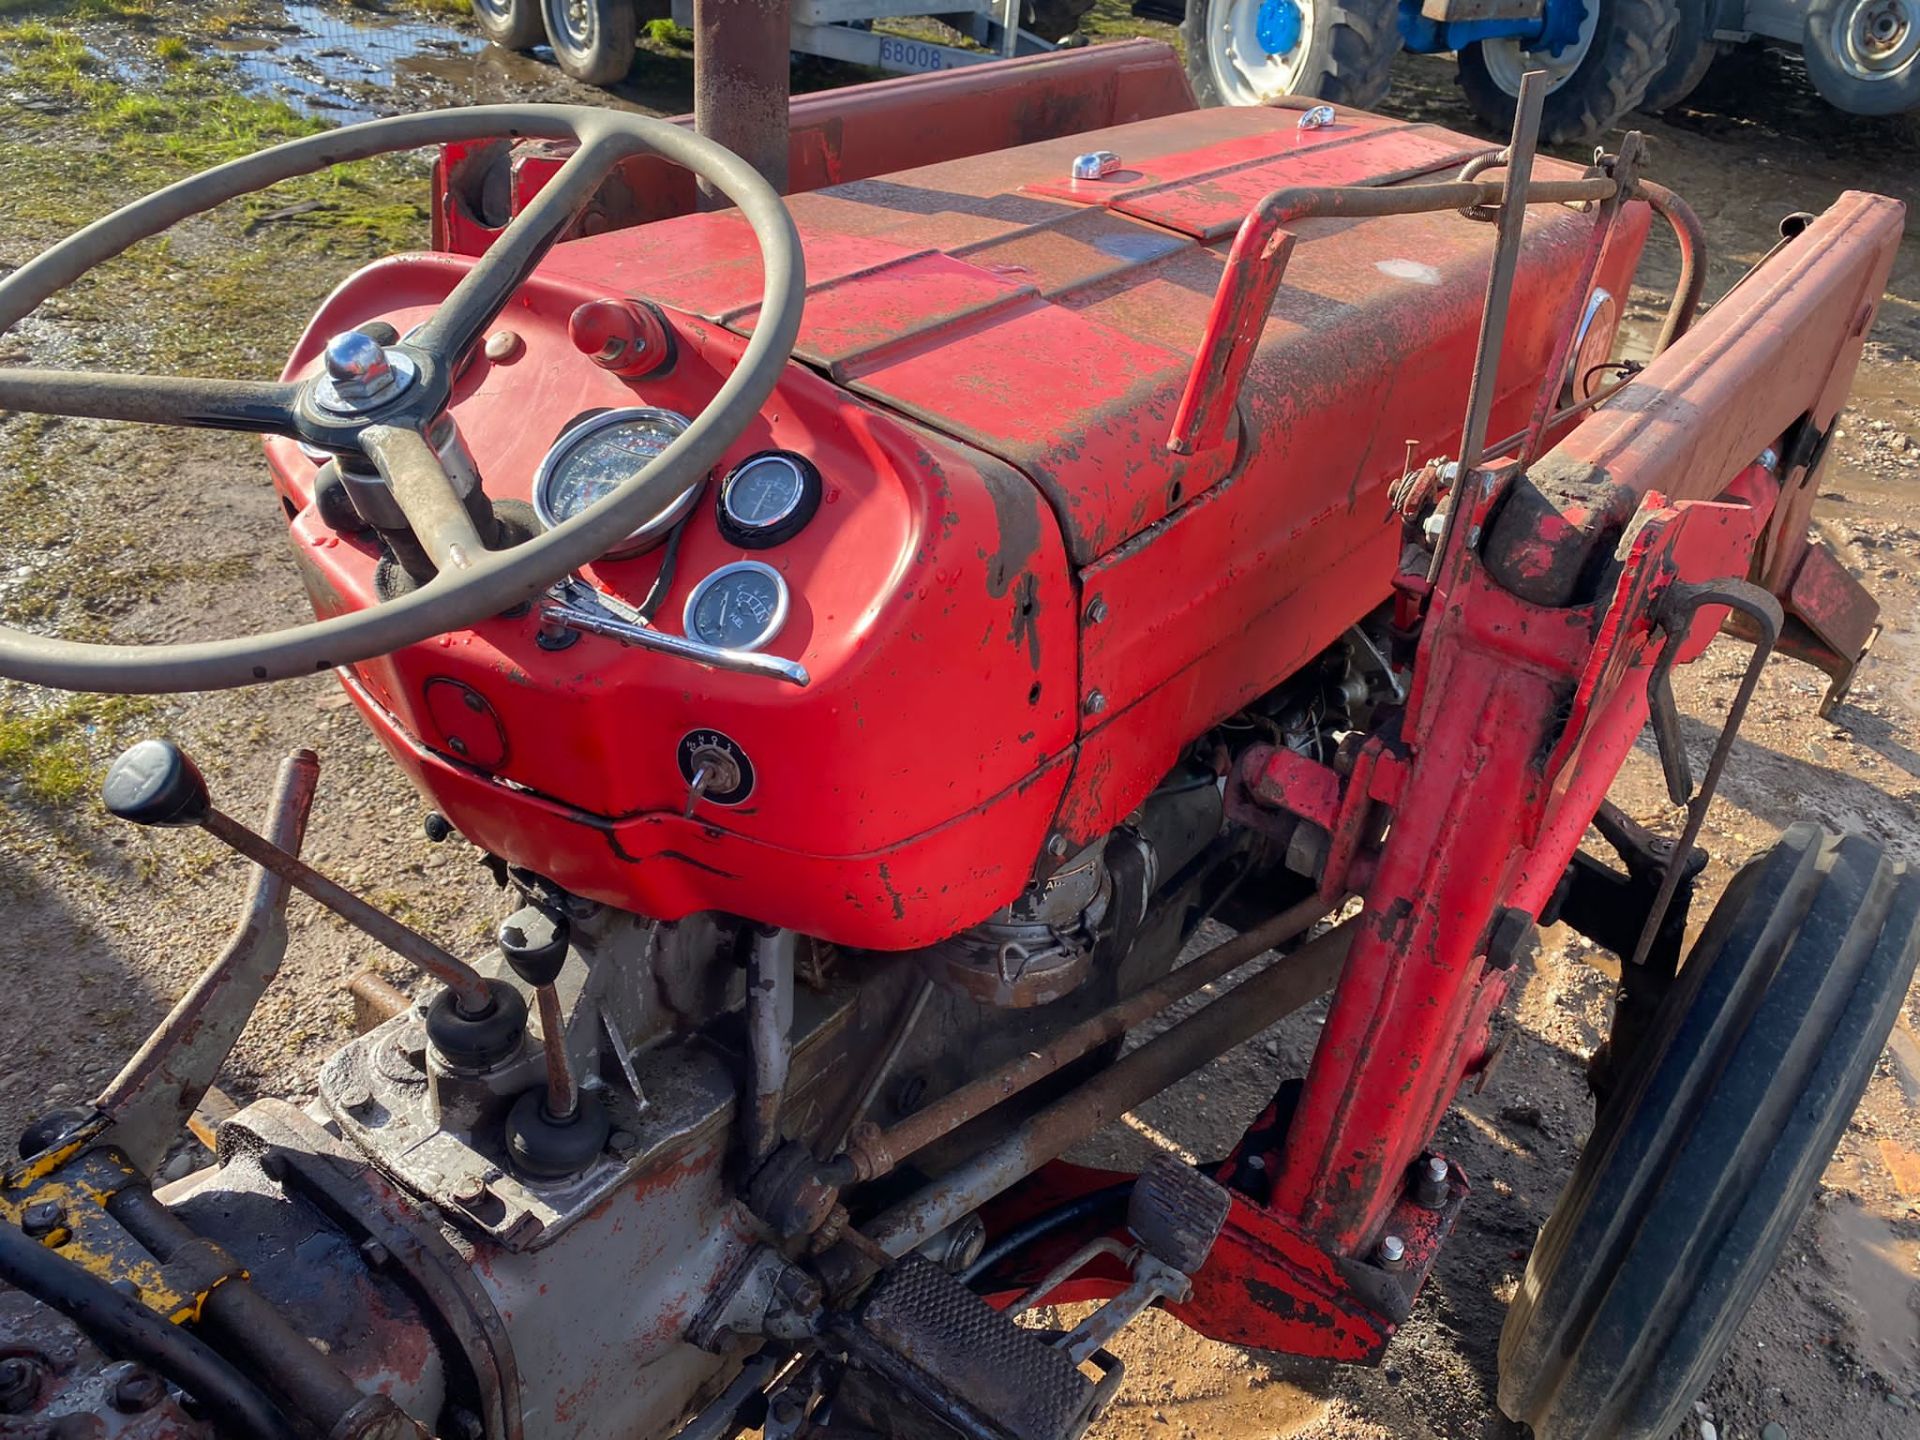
(593, 40)
(1623, 46)
(1864, 55)
(1688, 59)
(510, 24)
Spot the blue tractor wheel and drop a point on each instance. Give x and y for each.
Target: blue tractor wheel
(1247, 52)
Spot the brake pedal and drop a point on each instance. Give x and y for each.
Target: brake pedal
(1177, 1213)
(928, 1339)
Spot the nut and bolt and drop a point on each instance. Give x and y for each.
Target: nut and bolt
(1097, 611)
(42, 1218)
(1513, 936)
(355, 1097)
(19, 1384)
(1430, 1182)
(136, 1388)
(1392, 1253)
(1058, 845)
(1096, 702)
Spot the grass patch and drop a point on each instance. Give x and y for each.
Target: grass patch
(82, 9)
(54, 752)
(669, 35)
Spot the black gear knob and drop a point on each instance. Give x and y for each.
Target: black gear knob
(154, 783)
(534, 940)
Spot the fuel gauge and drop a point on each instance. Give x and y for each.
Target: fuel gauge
(738, 607)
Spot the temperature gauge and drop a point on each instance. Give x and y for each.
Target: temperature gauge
(767, 498)
(738, 607)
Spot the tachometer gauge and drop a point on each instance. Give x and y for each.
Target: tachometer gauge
(738, 607)
(595, 457)
(768, 498)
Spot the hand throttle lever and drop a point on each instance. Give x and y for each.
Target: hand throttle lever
(155, 783)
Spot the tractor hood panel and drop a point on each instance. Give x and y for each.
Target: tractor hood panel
(1053, 322)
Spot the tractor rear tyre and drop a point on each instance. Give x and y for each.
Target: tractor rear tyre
(1701, 1163)
(1688, 59)
(593, 40)
(1247, 52)
(1601, 76)
(510, 24)
(1863, 56)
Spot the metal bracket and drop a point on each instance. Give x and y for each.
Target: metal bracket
(1678, 609)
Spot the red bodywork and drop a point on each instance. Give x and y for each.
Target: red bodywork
(993, 358)
(1017, 604)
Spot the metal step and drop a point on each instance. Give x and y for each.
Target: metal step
(931, 1358)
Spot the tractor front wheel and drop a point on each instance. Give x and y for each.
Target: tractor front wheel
(593, 40)
(1622, 45)
(1703, 1160)
(1248, 52)
(510, 24)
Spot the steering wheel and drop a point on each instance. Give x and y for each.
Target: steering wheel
(380, 401)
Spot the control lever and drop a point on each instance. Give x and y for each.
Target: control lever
(574, 606)
(155, 1094)
(558, 1129)
(155, 783)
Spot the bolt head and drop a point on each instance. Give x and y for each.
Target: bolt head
(1392, 1252)
(1437, 1169)
(136, 1388)
(1096, 702)
(19, 1384)
(1097, 611)
(43, 1217)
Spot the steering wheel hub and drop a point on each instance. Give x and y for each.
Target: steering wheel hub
(361, 374)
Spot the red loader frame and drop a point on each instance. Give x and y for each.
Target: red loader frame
(1531, 682)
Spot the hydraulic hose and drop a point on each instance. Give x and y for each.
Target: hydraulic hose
(125, 1328)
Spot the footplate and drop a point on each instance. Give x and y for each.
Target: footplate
(923, 1336)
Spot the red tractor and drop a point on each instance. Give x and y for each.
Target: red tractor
(867, 631)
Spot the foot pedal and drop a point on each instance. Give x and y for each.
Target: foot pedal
(926, 1338)
(1177, 1213)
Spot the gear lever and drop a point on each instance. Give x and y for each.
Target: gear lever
(156, 783)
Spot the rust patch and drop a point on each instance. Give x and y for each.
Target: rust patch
(1018, 521)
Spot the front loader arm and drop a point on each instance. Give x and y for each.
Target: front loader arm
(1537, 642)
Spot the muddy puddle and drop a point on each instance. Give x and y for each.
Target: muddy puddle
(341, 63)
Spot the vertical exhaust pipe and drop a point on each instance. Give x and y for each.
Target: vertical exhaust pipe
(740, 84)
